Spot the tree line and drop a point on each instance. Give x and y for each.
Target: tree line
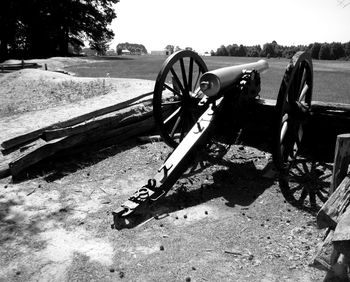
(322, 51)
(44, 28)
(134, 48)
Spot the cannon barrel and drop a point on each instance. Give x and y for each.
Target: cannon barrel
(213, 81)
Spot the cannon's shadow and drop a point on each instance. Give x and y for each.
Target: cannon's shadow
(237, 183)
(65, 163)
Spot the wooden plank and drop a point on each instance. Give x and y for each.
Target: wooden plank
(341, 160)
(324, 107)
(4, 171)
(329, 214)
(47, 149)
(33, 135)
(342, 231)
(122, 117)
(112, 137)
(322, 258)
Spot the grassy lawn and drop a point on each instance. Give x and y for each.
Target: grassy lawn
(331, 78)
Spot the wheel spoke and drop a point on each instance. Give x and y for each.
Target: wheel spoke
(183, 71)
(312, 196)
(303, 79)
(296, 188)
(171, 103)
(303, 195)
(321, 196)
(283, 131)
(197, 79)
(174, 114)
(299, 169)
(190, 75)
(306, 169)
(325, 176)
(172, 90)
(303, 92)
(177, 80)
(293, 174)
(175, 126)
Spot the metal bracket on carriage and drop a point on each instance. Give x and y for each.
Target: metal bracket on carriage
(137, 204)
(250, 84)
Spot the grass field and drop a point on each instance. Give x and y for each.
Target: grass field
(331, 78)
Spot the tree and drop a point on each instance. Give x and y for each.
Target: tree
(100, 47)
(222, 51)
(337, 50)
(347, 49)
(241, 52)
(325, 52)
(41, 28)
(231, 50)
(315, 50)
(268, 50)
(170, 49)
(132, 47)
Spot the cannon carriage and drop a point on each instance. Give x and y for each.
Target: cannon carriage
(193, 106)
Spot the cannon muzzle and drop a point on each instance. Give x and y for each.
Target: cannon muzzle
(213, 81)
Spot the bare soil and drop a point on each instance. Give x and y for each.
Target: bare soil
(224, 222)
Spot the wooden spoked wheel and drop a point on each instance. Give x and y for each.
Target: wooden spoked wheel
(292, 111)
(177, 94)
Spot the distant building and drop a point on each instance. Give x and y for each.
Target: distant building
(206, 54)
(126, 52)
(160, 52)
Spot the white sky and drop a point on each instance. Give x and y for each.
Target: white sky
(205, 25)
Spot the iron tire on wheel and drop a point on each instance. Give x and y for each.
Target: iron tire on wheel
(176, 95)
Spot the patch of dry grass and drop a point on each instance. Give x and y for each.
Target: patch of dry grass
(20, 92)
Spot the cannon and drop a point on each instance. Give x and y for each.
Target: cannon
(190, 105)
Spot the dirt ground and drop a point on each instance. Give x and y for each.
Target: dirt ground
(224, 222)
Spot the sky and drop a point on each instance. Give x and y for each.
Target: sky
(206, 25)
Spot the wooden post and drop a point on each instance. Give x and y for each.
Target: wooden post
(329, 214)
(341, 160)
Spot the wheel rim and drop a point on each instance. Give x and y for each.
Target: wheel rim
(176, 95)
(292, 108)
